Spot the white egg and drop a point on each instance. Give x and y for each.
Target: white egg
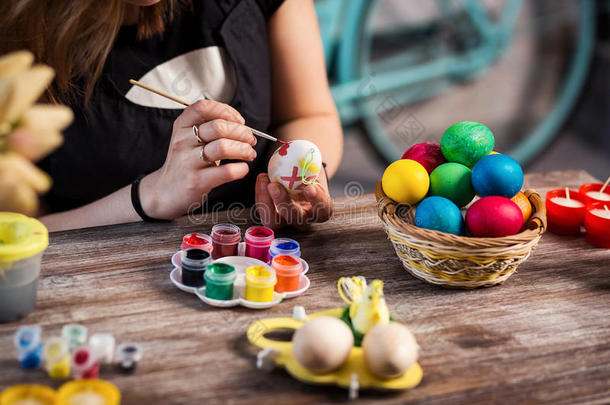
(322, 344)
(389, 350)
(294, 162)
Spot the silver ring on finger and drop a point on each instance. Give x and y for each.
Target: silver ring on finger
(196, 133)
(203, 157)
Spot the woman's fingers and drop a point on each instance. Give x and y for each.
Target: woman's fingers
(264, 203)
(321, 203)
(222, 149)
(215, 176)
(219, 128)
(286, 208)
(207, 110)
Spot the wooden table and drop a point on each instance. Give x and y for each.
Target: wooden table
(542, 337)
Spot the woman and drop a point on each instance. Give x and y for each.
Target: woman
(131, 154)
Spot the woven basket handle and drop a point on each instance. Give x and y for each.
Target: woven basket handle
(538, 219)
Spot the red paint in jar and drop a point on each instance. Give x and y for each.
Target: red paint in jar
(197, 241)
(288, 270)
(258, 240)
(225, 240)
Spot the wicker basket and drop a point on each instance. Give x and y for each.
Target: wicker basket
(458, 261)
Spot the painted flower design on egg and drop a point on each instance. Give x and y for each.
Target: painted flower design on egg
(295, 165)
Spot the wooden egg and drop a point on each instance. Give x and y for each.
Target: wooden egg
(493, 217)
(389, 350)
(294, 162)
(428, 154)
(452, 181)
(497, 175)
(323, 344)
(439, 214)
(405, 181)
(466, 142)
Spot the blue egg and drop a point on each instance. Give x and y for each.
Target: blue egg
(439, 214)
(497, 175)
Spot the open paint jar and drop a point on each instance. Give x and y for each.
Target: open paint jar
(30, 394)
(102, 345)
(29, 347)
(260, 282)
(22, 242)
(88, 392)
(197, 241)
(288, 271)
(128, 355)
(84, 363)
(284, 246)
(193, 263)
(219, 279)
(75, 335)
(258, 240)
(57, 358)
(225, 240)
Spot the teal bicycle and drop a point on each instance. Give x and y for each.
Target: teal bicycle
(407, 69)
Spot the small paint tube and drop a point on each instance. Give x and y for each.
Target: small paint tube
(102, 345)
(57, 358)
(128, 355)
(193, 263)
(75, 335)
(29, 347)
(84, 364)
(284, 246)
(259, 284)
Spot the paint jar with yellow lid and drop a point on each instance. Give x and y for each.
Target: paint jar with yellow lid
(89, 391)
(30, 394)
(22, 242)
(260, 281)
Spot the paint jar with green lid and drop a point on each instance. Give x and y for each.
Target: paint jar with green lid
(219, 279)
(22, 243)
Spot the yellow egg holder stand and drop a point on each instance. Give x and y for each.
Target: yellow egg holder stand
(353, 374)
(44, 395)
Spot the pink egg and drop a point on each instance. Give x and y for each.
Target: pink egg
(428, 154)
(493, 216)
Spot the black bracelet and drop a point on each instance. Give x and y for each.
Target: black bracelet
(326, 174)
(135, 201)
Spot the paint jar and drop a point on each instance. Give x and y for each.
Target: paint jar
(128, 356)
(75, 335)
(284, 246)
(197, 240)
(32, 394)
(57, 358)
(259, 284)
(288, 271)
(29, 347)
(219, 279)
(88, 392)
(102, 346)
(193, 263)
(225, 240)
(258, 240)
(22, 243)
(84, 364)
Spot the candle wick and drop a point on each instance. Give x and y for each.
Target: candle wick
(568, 193)
(604, 186)
(606, 207)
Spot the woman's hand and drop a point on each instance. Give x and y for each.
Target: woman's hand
(276, 208)
(185, 178)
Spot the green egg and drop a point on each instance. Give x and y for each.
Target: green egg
(452, 181)
(466, 142)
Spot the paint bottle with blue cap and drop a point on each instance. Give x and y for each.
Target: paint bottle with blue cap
(29, 347)
(284, 246)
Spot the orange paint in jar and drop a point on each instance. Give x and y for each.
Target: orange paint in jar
(288, 271)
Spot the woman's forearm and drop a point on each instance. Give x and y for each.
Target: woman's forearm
(323, 130)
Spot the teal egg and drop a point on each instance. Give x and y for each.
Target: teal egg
(466, 142)
(439, 214)
(452, 181)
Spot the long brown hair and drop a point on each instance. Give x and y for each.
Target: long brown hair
(74, 36)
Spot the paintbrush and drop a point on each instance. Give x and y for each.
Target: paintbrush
(183, 102)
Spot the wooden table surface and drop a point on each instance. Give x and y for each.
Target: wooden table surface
(542, 337)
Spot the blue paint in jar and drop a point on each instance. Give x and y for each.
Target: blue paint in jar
(29, 347)
(284, 246)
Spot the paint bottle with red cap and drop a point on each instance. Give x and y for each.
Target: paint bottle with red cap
(84, 364)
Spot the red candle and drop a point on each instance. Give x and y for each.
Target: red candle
(225, 240)
(595, 193)
(565, 211)
(597, 224)
(197, 241)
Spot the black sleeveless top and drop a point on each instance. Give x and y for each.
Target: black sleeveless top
(114, 139)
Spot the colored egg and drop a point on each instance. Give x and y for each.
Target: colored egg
(439, 214)
(493, 216)
(497, 175)
(295, 165)
(524, 205)
(427, 153)
(466, 142)
(405, 181)
(452, 181)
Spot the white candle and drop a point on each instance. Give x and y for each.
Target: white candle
(598, 195)
(567, 202)
(598, 212)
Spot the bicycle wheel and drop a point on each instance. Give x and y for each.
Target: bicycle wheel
(523, 89)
